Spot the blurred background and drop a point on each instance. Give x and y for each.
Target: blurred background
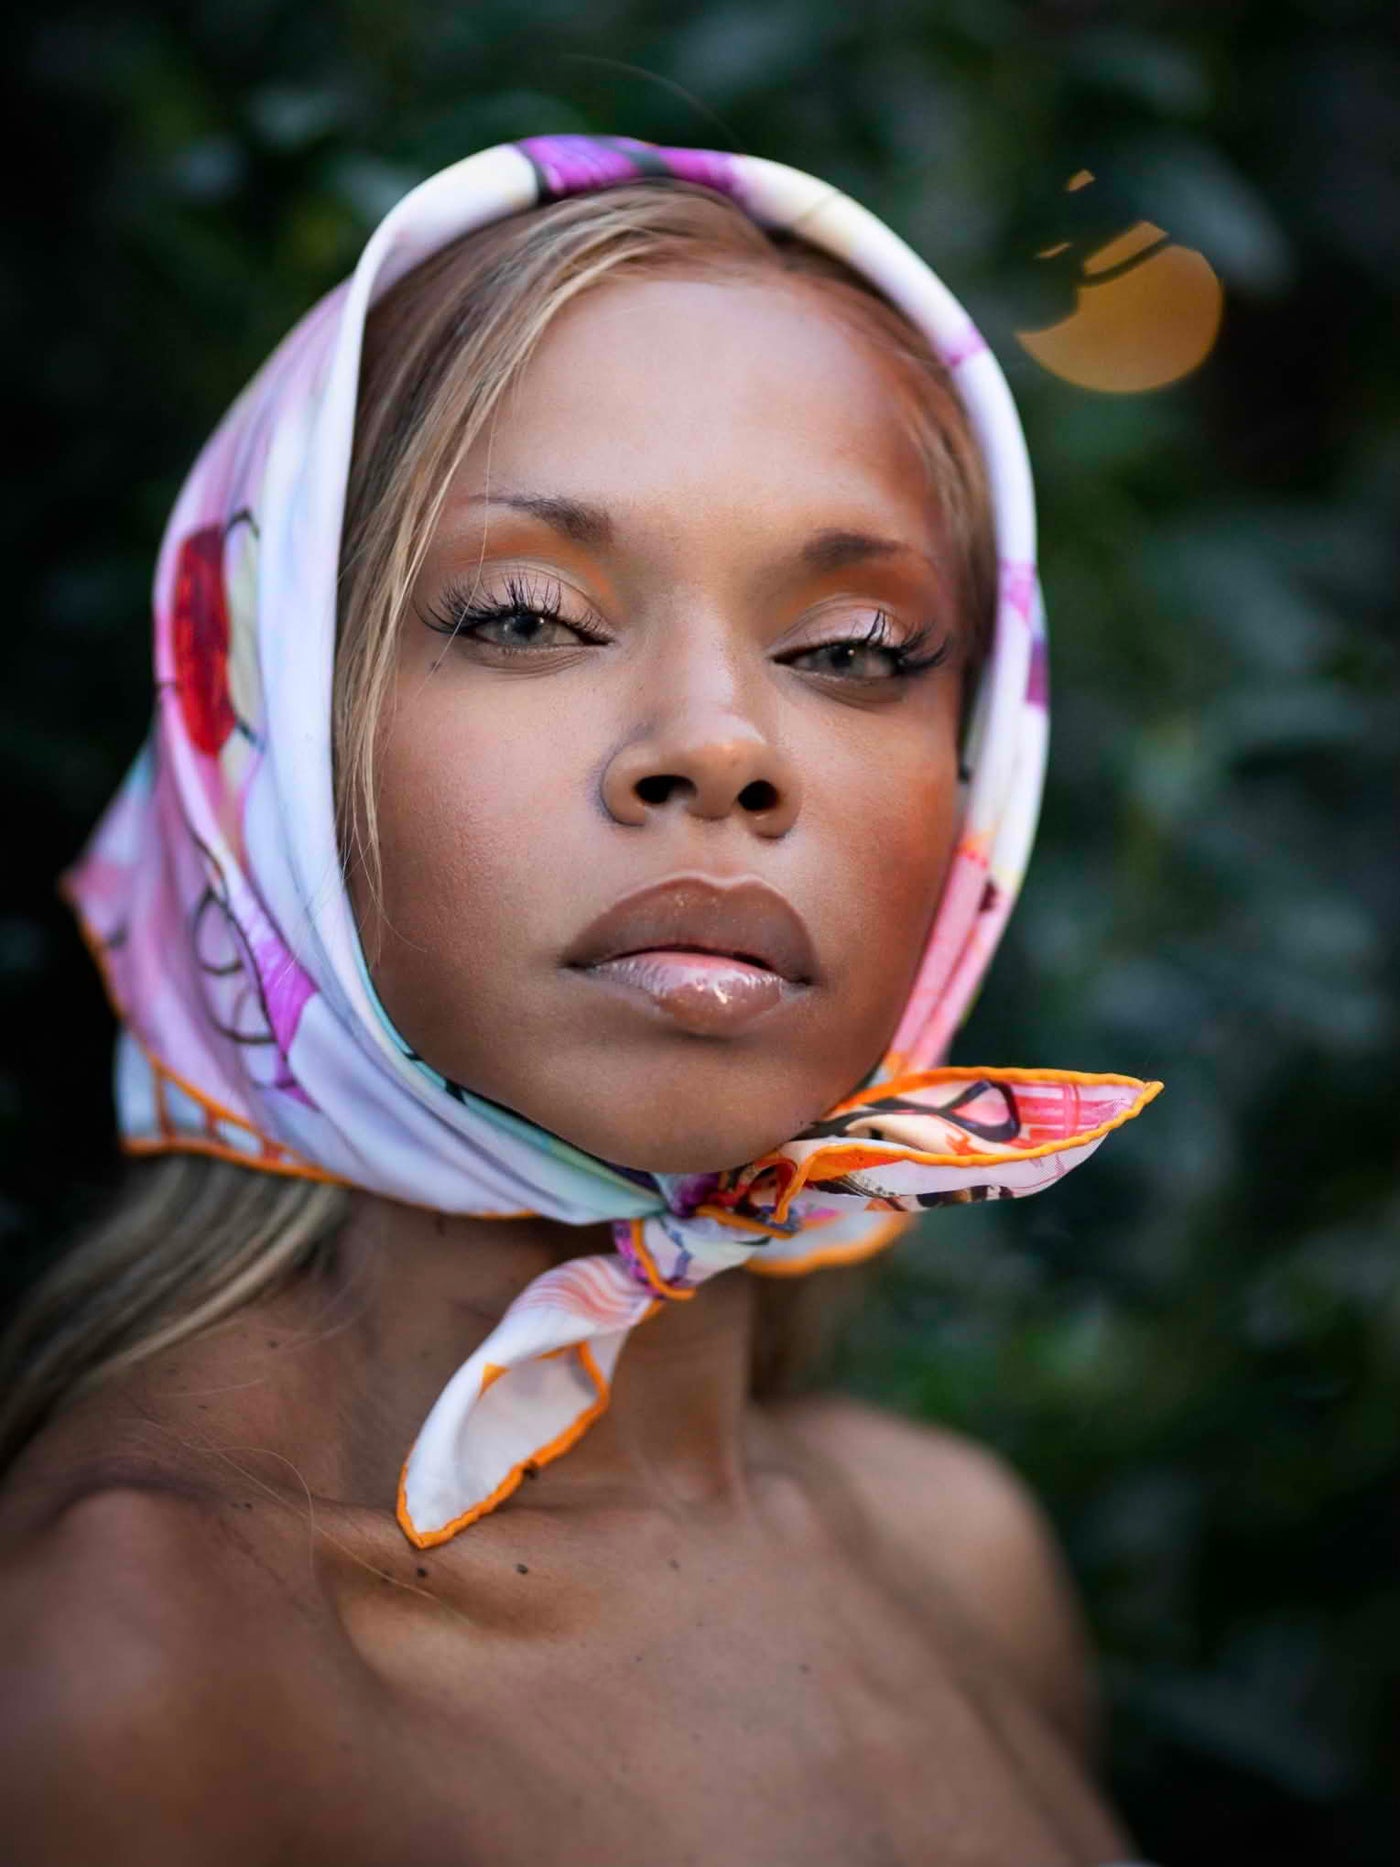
(1192, 1350)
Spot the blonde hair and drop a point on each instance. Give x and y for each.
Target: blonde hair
(191, 1240)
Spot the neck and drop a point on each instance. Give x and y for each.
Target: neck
(423, 1290)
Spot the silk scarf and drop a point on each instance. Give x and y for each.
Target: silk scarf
(213, 897)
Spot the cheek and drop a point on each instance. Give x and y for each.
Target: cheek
(470, 806)
(894, 825)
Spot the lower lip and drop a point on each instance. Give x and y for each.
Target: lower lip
(707, 994)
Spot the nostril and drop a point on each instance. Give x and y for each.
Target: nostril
(760, 795)
(657, 790)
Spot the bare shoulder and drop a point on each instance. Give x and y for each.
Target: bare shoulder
(958, 1512)
(138, 1628)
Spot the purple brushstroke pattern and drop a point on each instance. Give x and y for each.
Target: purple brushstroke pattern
(568, 165)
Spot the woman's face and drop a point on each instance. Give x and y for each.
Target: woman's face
(668, 783)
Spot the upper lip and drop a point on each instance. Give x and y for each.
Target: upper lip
(743, 918)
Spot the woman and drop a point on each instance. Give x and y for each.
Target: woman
(600, 722)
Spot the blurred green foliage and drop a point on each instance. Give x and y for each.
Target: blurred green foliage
(1193, 1349)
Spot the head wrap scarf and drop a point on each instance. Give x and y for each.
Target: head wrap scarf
(213, 896)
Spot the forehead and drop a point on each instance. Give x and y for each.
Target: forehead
(717, 391)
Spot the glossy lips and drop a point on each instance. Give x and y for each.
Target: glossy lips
(711, 956)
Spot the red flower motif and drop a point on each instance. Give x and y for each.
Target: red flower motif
(200, 633)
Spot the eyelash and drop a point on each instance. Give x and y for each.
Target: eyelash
(907, 657)
(460, 613)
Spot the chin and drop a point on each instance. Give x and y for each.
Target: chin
(685, 1146)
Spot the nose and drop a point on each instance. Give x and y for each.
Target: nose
(718, 768)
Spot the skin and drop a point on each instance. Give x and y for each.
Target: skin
(715, 1631)
(723, 570)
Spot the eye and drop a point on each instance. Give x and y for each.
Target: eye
(874, 655)
(521, 628)
(853, 660)
(524, 618)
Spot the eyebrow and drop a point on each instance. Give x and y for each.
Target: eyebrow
(830, 550)
(835, 550)
(572, 518)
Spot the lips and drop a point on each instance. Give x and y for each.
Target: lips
(744, 920)
(710, 956)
